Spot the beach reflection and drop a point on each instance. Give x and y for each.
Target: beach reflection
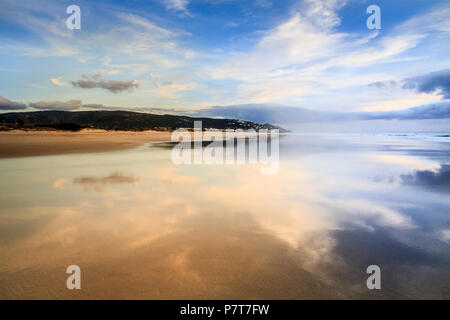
(141, 227)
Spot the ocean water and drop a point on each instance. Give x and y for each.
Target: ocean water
(141, 227)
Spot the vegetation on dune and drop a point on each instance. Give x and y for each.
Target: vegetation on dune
(119, 120)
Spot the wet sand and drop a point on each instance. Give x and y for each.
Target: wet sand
(20, 143)
(141, 227)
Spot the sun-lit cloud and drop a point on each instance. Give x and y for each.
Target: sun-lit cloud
(399, 101)
(171, 90)
(58, 81)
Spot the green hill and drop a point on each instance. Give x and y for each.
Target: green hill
(119, 120)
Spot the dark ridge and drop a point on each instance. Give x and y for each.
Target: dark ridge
(120, 120)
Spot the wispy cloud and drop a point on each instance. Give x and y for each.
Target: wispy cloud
(178, 5)
(170, 90)
(302, 53)
(306, 58)
(157, 31)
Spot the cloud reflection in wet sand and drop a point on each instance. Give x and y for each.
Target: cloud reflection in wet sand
(438, 180)
(98, 184)
(221, 232)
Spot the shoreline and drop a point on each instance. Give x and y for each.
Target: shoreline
(21, 143)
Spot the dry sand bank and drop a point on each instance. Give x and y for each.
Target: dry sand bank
(19, 143)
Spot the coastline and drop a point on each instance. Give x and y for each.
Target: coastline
(21, 143)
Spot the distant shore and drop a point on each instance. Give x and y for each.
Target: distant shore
(21, 143)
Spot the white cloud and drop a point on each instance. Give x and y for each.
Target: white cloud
(322, 13)
(305, 59)
(307, 56)
(133, 37)
(434, 20)
(294, 42)
(177, 5)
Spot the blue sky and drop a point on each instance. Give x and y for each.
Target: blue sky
(187, 55)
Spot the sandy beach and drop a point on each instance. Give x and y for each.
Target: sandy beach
(20, 143)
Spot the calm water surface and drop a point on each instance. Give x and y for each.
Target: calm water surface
(141, 227)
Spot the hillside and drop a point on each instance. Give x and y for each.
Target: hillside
(119, 120)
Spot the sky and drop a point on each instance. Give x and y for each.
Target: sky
(184, 56)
